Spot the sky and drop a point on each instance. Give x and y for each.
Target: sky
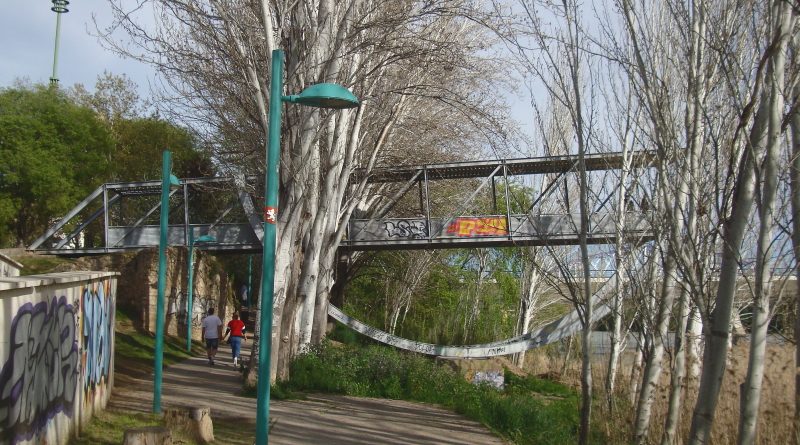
(27, 36)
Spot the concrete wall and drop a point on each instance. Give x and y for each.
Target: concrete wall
(56, 352)
(9, 267)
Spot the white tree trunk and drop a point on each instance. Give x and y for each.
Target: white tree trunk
(652, 369)
(678, 377)
(716, 351)
(620, 266)
(751, 388)
(794, 174)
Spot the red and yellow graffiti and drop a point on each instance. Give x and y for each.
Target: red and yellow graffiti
(479, 226)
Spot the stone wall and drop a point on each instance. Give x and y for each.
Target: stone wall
(57, 354)
(138, 287)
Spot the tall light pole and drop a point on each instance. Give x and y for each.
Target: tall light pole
(59, 7)
(190, 284)
(323, 95)
(167, 179)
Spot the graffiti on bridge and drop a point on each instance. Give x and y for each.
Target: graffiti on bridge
(40, 377)
(98, 322)
(406, 228)
(478, 226)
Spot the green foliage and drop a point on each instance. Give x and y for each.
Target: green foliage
(57, 147)
(52, 154)
(38, 264)
(343, 334)
(527, 411)
(140, 142)
(442, 303)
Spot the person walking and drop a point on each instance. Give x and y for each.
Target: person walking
(236, 330)
(212, 331)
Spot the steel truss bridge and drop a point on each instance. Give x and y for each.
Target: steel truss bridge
(124, 216)
(119, 217)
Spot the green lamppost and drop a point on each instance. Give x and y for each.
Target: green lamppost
(190, 284)
(167, 179)
(59, 7)
(323, 95)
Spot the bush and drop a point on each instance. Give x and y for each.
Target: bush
(528, 411)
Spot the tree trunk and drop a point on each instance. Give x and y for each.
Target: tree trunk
(678, 377)
(718, 332)
(636, 370)
(617, 337)
(794, 174)
(751, 388)
(694, 345)
(652, 369)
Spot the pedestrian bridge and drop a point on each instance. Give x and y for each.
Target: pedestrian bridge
(482, 209)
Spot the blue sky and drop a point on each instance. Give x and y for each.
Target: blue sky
(27, 33)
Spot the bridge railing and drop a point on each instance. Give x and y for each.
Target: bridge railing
(486, 229)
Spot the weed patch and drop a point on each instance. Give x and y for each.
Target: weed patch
(527, 411)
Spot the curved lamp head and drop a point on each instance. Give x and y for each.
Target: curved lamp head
(205, 239)
(325, 95)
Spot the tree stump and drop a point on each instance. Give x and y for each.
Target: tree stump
(194, 420)
(148, 435)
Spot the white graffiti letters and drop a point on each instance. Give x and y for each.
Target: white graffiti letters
(40, 376)
(97, 324)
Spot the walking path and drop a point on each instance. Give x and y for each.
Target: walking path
(319, 419)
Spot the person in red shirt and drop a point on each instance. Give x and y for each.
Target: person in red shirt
(236, 330)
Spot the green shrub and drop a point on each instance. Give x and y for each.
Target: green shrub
(528, 411)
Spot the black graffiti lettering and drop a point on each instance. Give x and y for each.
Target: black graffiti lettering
(40, 376)
(403, 228)
(496, 351)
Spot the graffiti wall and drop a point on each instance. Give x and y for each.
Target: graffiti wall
(56, 354)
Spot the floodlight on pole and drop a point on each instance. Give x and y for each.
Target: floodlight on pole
(326, 95)
(59, 7)
(190, 284)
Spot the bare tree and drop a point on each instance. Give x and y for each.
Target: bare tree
(762, 100)
(766, 190)
(794, 128)
(212, 55)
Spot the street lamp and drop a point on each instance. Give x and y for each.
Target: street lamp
(324, 95)
(167, 179)
(59, 7)
(190, 286)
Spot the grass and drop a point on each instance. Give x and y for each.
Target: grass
(38, 264)
(527, 411)
(108, 428)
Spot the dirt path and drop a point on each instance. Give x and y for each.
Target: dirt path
(320, 419)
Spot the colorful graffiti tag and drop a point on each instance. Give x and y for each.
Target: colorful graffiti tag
(478, 226)
(98, 322)
(40, 377)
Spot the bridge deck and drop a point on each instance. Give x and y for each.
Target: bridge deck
(126, 213)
